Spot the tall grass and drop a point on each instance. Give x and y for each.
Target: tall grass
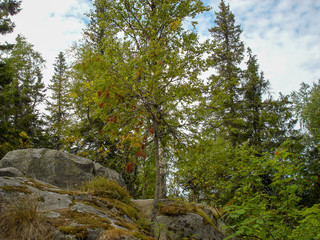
(20, 219)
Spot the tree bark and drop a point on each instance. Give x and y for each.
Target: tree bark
(158, 177)
(163, 173)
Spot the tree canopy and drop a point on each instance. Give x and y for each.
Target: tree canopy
(176, 117)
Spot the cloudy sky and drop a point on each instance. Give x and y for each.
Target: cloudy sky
(284, 34)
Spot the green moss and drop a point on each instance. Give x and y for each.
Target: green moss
(103, 187)
(38, 185)
(90, 220)
(178, 208)
(172, 210)
(22, 189)
(80, 232)
(122, 233)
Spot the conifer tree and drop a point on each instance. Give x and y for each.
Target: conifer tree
(60, 102)
(22, 96)
(8, 8)
(224, 85)
(254, 86)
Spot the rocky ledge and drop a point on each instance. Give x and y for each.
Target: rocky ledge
(32, 207)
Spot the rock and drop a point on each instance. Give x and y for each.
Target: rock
(46, 195)
(10, 172)
(54, 167)
(109, 174)
(72, 214)
(177, 221)
(187, 226)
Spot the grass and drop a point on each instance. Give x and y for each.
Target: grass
(20, 219)
(103, 187)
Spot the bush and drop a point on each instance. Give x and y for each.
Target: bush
(20, 219)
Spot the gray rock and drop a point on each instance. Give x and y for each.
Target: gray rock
(109, 174)
(10, 172)
(54, 167)
(190, 226)
(47, 200)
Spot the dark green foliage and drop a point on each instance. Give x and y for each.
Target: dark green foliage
(224, 86)
(59, 106)
(8, 8)
(20, 119)
(254, 87)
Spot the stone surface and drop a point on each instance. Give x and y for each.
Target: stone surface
(10, 172)
(189, 226)
(109, 174)
(185, 226)
(68, 208)
(54, 167)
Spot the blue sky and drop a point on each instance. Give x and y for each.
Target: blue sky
(284, 34)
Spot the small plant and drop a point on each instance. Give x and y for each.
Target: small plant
(103, 187)
(20, 219)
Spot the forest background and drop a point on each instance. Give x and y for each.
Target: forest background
(135, 99)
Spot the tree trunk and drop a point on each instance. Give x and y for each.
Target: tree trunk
(163, 173)
(158, 177)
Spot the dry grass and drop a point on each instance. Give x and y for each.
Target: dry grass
(20, 219)
(116, 234)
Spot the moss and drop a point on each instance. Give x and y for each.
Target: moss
(22, 189)
(178, 208)
(103, 187)
(116, 234)
(172, 210)
(40, 186)
(80, 232)
(141, 236)
(91, 221)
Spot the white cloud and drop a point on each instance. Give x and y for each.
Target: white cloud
(51, 26)
(284, 34)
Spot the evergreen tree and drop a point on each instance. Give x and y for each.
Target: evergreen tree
(19, 114)
(59, 105)
(224, 85)
(8, 8)
(254, 86)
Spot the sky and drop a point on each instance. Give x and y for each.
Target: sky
(283, 34)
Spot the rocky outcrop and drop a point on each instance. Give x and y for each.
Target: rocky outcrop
(43, 188)
(180, 220)
(65, 214)
(54, 167)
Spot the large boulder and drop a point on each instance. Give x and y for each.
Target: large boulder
(54, 167)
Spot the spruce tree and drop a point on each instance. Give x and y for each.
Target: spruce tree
(59, 105)
(224, 85)
(22, 96)
(254, 87)
(8, 8)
